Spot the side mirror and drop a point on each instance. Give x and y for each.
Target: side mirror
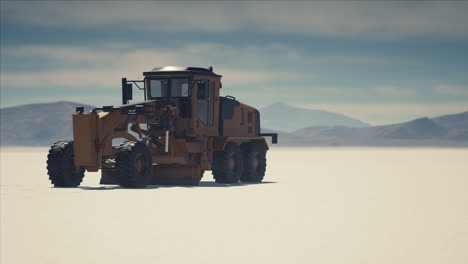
(127, 91)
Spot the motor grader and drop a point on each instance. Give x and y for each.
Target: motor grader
(181, 129)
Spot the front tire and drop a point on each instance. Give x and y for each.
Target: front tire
(228, 164)
(61, 167)
(133, 162)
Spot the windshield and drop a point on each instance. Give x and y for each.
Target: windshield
(178, 87)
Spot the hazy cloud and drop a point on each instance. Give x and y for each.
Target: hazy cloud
(105, 66)
(61, 53)
(391, 90)
(335, 19)
(452, 90)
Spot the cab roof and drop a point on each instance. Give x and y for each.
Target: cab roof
(176, 70)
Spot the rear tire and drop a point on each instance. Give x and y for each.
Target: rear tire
(61, 166)
(254, 155)
(228, 164)
(133, 163)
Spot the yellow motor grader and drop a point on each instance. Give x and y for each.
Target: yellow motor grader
(181, 129)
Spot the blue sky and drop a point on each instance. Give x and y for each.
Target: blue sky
(381, 62)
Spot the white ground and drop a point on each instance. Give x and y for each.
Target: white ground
(329, 205)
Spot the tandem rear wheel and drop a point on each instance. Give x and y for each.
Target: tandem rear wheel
(254, 155)
(246, 163)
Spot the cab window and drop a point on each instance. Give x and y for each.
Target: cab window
(176, 87)
(202, 100)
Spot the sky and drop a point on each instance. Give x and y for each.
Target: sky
(381, 62)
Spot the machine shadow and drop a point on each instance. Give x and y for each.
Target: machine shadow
(149, 187)
(216, 185)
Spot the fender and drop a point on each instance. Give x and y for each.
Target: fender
(220, 142)
(107, 141)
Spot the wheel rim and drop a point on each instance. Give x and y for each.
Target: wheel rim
(257, 162)
(233, 163)
(140, 164)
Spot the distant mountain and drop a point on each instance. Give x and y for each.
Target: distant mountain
(455, 120)
(287, 118)
(450, 130)
(43, 124)
(458, 124)
(37, 124)
(421, 128)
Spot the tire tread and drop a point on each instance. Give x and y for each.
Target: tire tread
(60, 165)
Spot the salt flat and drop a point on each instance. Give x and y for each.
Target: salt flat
(318, 205)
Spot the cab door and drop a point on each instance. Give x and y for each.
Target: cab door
(205, 117)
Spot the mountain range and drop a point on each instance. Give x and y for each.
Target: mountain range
(283, 117)
(44, 123)
(37, 124)
(449, 131)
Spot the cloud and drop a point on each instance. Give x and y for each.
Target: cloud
(104, 66)
(111, 77)
(61, 53)
(385, 113)
(391, 90)
(332, 19)
(451, 90)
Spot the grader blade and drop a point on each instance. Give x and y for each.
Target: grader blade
(109, 176)
(162, 175)
(173, 174)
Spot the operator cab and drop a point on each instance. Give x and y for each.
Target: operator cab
(176, 85)
(194, 91)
